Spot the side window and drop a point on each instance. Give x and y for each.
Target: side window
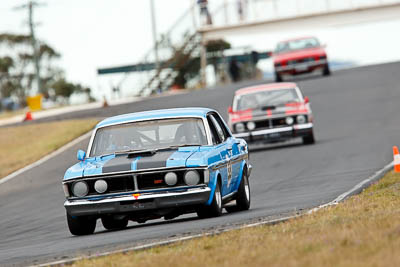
(222, 125)
(214, 135)
(220, 131)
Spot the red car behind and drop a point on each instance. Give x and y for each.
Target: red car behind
(298, 56)
(270, 113)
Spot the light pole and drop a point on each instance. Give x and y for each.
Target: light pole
(35, 46)
(154, 30)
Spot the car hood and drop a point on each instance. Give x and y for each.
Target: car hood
(122, 163)
(281, 110)
(298, 54)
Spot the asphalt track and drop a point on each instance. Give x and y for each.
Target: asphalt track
(357, 121)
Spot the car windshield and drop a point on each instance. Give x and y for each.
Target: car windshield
(296, 45)
(148, 135)
(266, 99)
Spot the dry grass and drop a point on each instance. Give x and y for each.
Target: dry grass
(362, 231)
(9, 114)
(22, 145)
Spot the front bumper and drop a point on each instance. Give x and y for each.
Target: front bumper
(302, 67)
(277, 134)
(143, 202)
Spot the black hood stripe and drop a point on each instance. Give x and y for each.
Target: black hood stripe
(118, 164)
(158, 160)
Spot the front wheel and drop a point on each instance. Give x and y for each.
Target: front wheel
(326, 71)
(243, 195)
(215, 209)
(81, 225)
(278, 77)
(114, 224)
(309, 139)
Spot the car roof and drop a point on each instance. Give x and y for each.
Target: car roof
(265, 87)
(298, 38)
(155, 114)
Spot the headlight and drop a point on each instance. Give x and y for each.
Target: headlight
(171, 178)
(289, 120)
(192, 178)
(251, 125)
(301, 119)
(239, 127)
(100, 186)
(80, 189)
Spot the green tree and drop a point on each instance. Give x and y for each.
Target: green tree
(16, 67)
(65, 89)
(191, 68)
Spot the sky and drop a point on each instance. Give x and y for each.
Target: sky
(93, 33)
(100, 33)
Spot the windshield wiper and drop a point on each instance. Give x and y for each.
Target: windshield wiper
(184, 145)
(105, 155)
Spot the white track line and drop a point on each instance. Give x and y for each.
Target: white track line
(359, 187)
(165, 242)
(45, 158)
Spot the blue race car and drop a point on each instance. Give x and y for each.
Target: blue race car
(155, 164)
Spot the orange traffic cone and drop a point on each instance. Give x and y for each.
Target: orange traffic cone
(396, 159)
(28, 116)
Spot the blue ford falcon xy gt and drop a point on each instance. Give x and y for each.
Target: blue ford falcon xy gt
(155, 164)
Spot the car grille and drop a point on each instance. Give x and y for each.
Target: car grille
(156, 180)
(270, 123)
(303, 60)
(273, 123)
(115, 184)
(126, 183)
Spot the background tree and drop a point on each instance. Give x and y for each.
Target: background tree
(191, 68)
(17, 70)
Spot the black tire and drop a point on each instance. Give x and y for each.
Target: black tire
(243, 197)
(309, 139)
(278, 78)
(327, 70)
(113, 224)
(215, 209)
(81, 225)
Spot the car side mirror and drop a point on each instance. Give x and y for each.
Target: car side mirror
(230, 110)
(81, 155)
(306, 100)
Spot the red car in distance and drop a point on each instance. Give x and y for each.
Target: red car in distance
(269, 113)
(299, 56)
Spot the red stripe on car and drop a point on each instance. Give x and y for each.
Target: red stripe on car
(242, 115)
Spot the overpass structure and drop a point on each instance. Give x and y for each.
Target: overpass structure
(188, 36)
(266, 16)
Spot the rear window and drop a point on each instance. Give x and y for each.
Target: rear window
(296, 45)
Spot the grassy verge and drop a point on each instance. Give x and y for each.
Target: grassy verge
(9, 114)
(362, 231)
(22, 145)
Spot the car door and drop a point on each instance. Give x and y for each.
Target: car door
(225, 152)
(233, 151)
(228, 151)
